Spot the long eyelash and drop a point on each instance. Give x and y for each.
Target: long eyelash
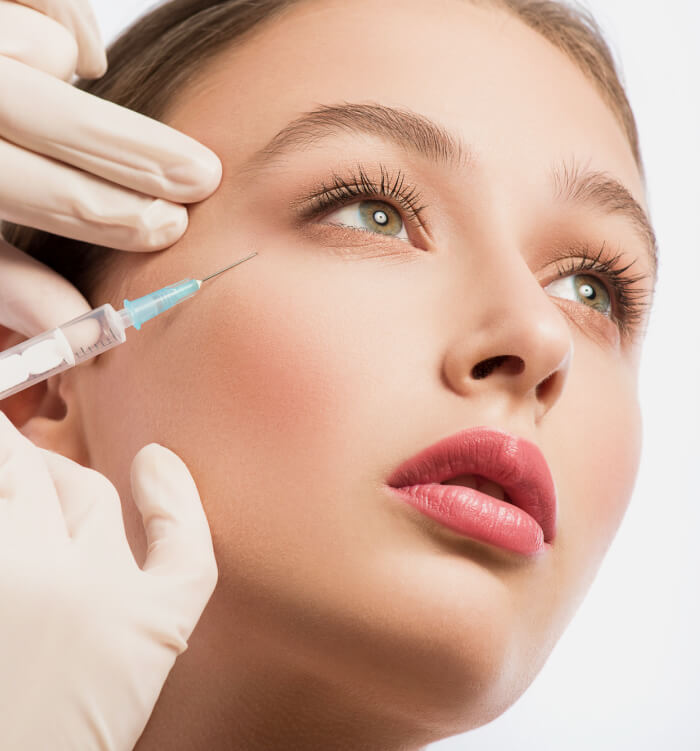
(360, 184)
(630, 305)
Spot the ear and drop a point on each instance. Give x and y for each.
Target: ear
(46, 413)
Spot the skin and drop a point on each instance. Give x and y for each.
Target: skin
(342, 618)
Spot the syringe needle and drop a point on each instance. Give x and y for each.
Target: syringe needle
(216, 273)
(58, 349)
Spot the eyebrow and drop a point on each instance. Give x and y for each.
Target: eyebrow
(599, 190)
(421, 136)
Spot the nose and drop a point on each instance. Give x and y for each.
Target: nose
(515, 341)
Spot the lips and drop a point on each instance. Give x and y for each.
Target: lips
(515, 464)
(479, 483)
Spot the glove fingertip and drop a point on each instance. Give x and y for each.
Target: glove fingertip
(177, 530)
(159, 464)
(92, 66)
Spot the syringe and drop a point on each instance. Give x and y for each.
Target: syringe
(87, 336)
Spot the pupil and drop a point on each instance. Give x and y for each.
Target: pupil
(588, 291)
(380, 217)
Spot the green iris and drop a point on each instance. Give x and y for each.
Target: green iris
(381, 217)
(587, 287)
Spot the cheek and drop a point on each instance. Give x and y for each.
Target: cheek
(254, 392)
(270, 388)
(293, 365)
(615, 449)
(597, 465)
(592, 440)
(270, 375)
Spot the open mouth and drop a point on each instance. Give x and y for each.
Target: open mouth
(512, 488)
(482, 484)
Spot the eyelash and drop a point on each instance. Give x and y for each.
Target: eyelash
(360, 184)
(629, 306)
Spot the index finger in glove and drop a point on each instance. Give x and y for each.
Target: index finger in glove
(77, 16)
(103, 138)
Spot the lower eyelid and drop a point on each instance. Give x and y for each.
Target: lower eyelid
(340, 234)
(356, 243)
(589, 322)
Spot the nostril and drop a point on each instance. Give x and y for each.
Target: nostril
(486, 367)
(545, 385)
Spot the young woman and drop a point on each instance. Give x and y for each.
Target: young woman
(448, 205)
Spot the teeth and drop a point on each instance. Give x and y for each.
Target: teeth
(479, 483)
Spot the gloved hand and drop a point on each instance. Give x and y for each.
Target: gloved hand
(87, 638)
(133, 172)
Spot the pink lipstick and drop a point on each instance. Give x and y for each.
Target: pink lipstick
(520, 513)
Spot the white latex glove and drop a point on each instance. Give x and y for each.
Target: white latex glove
(87, 638)
(133, 173)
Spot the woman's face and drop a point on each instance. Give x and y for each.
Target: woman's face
(293, 385)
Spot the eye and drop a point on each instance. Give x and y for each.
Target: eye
(371, 216)
(584, 288)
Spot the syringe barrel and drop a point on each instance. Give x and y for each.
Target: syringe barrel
(54, 351)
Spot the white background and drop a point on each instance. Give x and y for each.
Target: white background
(626, 674)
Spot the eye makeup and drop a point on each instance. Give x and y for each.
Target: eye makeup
(359, 184)
(630, 304)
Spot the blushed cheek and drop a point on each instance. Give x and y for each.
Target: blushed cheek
(247, 395)
(598, 465)
(616, 464)
(271, 379)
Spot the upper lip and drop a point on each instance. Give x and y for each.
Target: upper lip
(514, 463)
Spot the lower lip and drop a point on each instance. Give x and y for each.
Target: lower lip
(477, 515)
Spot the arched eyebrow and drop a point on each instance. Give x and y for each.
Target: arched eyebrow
(409, 130)
(421, 136)
(600, 191)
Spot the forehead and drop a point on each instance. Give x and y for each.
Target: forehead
(517, 101)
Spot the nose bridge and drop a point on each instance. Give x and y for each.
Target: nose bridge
(514, 338)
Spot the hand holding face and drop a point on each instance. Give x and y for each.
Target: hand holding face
(76, 165)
